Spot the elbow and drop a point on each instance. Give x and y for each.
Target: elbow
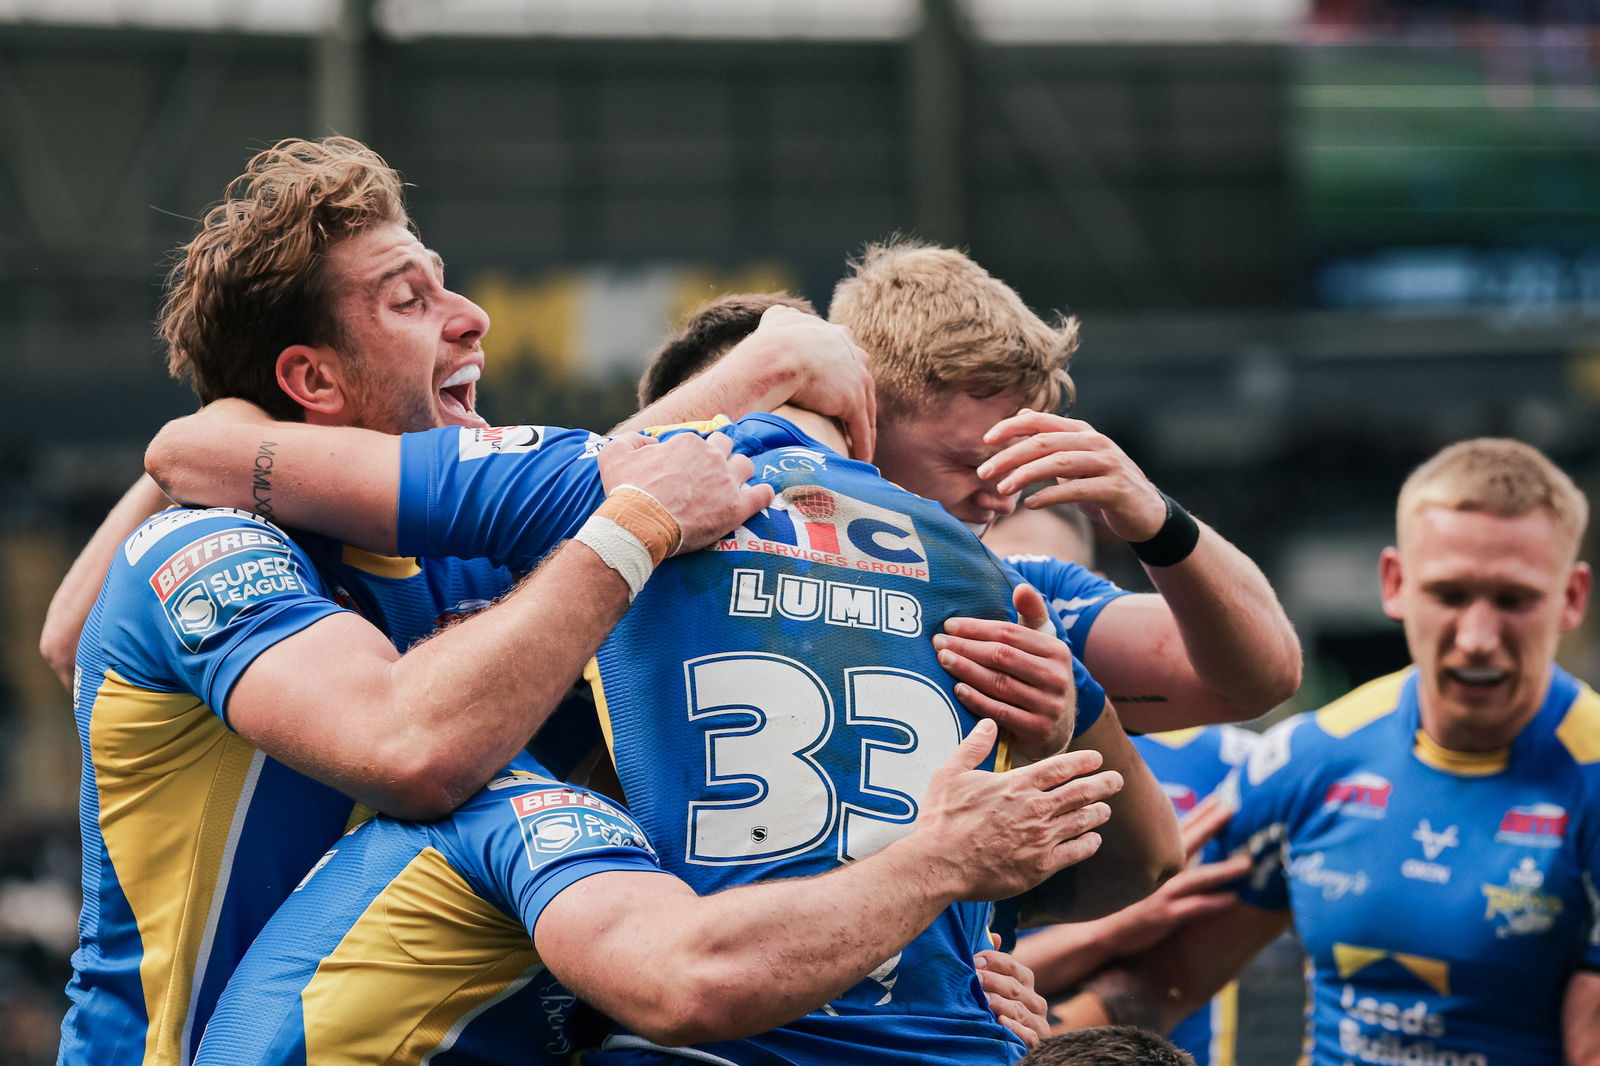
(161, 461)
(704, 1001)
(1274, 684)
(59, 649)
(417, 785)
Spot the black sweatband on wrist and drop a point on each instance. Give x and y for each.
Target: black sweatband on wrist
(1174, 541)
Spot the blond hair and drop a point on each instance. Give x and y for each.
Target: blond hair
(936, 322)
(1499, 477)
(253, 282)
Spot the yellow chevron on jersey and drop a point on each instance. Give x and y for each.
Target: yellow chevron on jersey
(1362, 707)
(1579, 731)
(1435, 973)
(169, 806)
(395, 567)
(411, 979)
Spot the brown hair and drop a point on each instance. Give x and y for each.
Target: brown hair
(252, 282)
(1500, 477)
(1107, 1045)
(934, 321)
(708, 333)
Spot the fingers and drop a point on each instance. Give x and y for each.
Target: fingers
(973, 749)
(1202, 824)
(627, 442)
(1009, 987)
(1073, 851)
(1027, 422)
(1208, 877)
(1032, 610)
(1002, 664)
(1050, 774)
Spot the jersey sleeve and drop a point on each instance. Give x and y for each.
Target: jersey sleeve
(525, 839)
(199, 594)
(1075, 593)
(1262, 792)
(508, 494)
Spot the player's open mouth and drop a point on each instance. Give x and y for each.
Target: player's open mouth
(457, 392)
(1477, 677)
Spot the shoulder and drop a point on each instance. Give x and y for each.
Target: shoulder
(550, 818)
(1371, 703)
(204, 532)
(1578, 730)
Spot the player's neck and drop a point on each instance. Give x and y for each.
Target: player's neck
(820, 428)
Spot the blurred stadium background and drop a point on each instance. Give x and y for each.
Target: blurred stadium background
(1310, 240)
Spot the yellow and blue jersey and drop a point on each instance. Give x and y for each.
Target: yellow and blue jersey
(191, 836)
(1190, 764)
(1444, 899)
(776, 708)
(411, 944)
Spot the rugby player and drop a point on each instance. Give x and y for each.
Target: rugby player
(877, 544)
(1432, 834)
(229, 700)
(872, 664)
(1190, 764)
(1212, 644)
(471, 937)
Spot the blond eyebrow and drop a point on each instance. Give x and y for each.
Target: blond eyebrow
(406, 266)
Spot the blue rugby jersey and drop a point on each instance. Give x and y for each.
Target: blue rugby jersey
(173, 804)
(1190, 764)
(412, 944)
(1444, 899)
(775, 709)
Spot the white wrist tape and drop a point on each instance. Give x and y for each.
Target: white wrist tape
(618, 549)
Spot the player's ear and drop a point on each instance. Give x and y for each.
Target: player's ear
(1577, 596)
(314, 378)
(1390, 580)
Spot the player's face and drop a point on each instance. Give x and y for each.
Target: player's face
(413, 348)
(1484, 600)
(936, 453)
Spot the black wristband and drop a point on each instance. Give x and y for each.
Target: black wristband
(1174, 541)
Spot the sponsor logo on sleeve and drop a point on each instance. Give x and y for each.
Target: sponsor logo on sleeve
(498, 440)
(145, 537)
(819, 525)
(206, 583)
(783, 461)
(560, 822)
(1362, 795)
(1537, 825)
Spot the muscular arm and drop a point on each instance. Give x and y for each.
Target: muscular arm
(74, 597)
(1580, 1020)
(1215, 642)
(1165, 983)
(1062, 955)
(413, 735)
(337, 480)
(793, 358)
(1142, 849)
(684, 969)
